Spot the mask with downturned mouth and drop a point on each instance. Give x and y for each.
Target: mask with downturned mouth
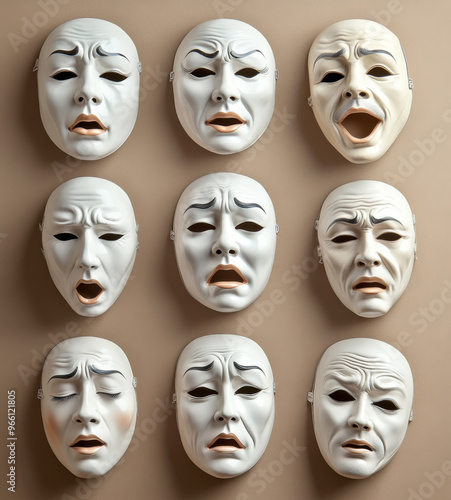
(224, 80)
(89, 240)
(225, 236)
(367, 242)
(88, 404)
(224, 394)
(88, 83)
(361, 93)
(361, 405)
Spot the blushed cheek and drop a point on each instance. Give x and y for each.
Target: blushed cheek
(125, 419)
(51, 428)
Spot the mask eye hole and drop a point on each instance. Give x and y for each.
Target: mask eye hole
(252, 227)
(332, 77)
(247, 72)
(389, 236)
(65, 236)
(379, 72)
(202, 392)
(386, 404)
(248, 390)
(64, 75)
(343, 238)
(341, 396)
(111, 236)
(202, 72)
(114, 76)
(201, 227)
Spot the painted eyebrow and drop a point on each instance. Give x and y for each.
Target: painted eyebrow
(365, 52)
(202, 206)
(104, 53)
(378, 221)
(64, 376)
(241, 204)
(205, 54)
(329, 54)
(245, 368)
(72, 52)
(236, 55)
(104, 372)
(347, 221)
(205, 368)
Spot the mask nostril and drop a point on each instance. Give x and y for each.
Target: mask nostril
(232, 252)
(80, 99)
(218, 252)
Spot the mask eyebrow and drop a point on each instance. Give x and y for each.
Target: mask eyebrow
(347, 221)
(366, 52)
(205, 368)
(104, 372)
(205, 54)
(104, 53)
(64, 376)
(378, 221)
(236, 55)
(241, 204)
(329, 55)
(245, 368)
(202, 206)
(72, 52)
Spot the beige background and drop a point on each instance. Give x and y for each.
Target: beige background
(296, 318)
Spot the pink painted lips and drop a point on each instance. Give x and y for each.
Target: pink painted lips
(357, 447)
(225, 122)
(226, 276)
(88, 291)
(226, 443)
(359, 125)
(87, 125)
(87, 445)
(370, 285)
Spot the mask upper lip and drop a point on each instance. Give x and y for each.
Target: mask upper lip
(225, 122)
(87, 125)
(87, 444)
(370, 284)
(226, 276)
(226, 443)
(88, 291)
(357, 446)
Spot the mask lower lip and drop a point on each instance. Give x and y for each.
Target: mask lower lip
(370, 285)
(226, 277)
(357, 447)
(359, 125)
(88, 291)
(87, 445)
(87, 125)
(226, 443)
(225, 122)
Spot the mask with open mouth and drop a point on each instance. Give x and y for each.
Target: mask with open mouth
(361, 93)
(367, 242)
(224, 393)
(89, 239)
(225, 240)
(88, 404)
(224, 79)
(88, 83)
(361, 405)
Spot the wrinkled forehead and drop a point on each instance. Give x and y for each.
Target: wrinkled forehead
(92, 32)
(223, 347)
(73, 352)
(224, 34)
(365, 196)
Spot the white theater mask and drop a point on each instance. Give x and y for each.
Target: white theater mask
(89, 240)
(225, 236)
(224, 79)
(361, 404)
(88, 84)
(361, 93)
(88, 404)
(224, 392)
(366, 235)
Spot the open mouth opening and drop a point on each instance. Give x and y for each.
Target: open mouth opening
(226, 443)
(360, 126)
(371, 284)
(226, 277)
(357, 447)
(87, 443)
(89, 292)
(87, 125)
(225, 122)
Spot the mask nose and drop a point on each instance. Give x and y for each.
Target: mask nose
(360, 418)
(88, 91)
(226, 411)
(226, 243)
(355, 88)
(226, 89)
(367, 255)
(86, 411)
(88, 258)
